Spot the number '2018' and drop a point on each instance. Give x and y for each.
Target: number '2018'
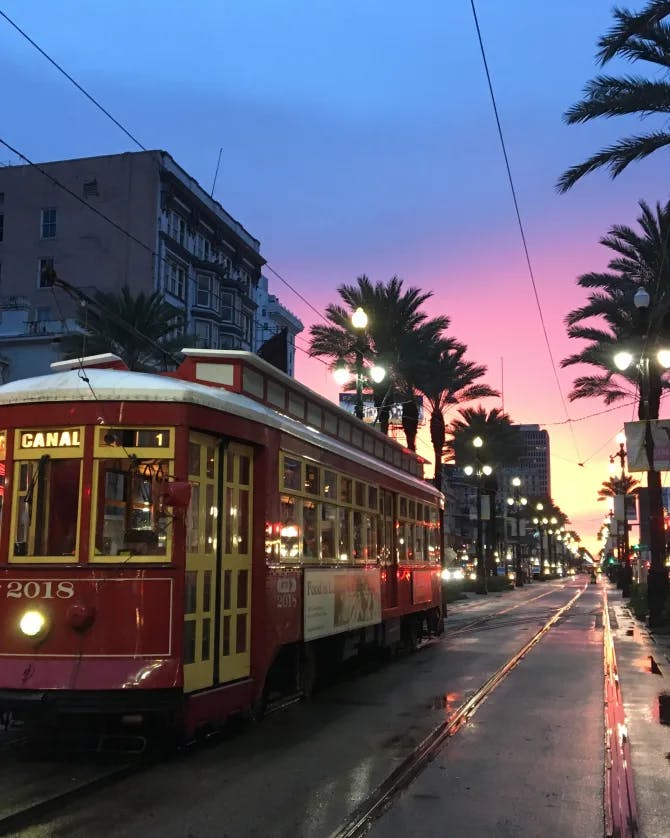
(39, 590)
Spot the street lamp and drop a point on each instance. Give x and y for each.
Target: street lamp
(516, 504)
(650, 372)
(480, 471)
(538, 522)
(341, 373)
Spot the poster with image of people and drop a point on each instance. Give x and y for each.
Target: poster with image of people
(340, 600)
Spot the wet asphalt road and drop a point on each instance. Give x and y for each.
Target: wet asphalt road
(529, 762)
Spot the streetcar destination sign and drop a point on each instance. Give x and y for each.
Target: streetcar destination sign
(50, 439)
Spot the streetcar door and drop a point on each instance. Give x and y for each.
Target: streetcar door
(235, 579)
(201, 552)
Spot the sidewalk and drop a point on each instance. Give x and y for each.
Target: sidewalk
(643, 665)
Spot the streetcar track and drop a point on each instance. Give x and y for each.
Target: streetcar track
(30, 815)
(487, 618)
(361, 819)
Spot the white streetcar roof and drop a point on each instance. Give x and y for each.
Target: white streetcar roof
(91, 384)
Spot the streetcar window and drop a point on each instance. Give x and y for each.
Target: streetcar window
(192, 528)
(328, 527)
(128, 520)
(419, 542)
(329, 484)
(359, 535)
(289, 534)
(344, 430)
(365, 537)
(244, 477)
(210, 519)
(344, 551)
(361, 495)
(242, 519)
(291, 478)
(309, 521)
(312, 479)
(48, 507)
(193, 458)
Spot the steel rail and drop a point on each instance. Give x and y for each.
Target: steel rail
(30, 815)
(380, 799)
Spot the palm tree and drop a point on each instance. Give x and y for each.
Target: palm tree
(642, 36)
(623, 485)
(502, 446)
(394, 321)
(640, 261)
(144, 330)
(445, 378)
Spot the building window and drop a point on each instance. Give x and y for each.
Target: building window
(45, 273)
(206, 291)
(2, 226)
(227, 307)
(177, 228)
(202, 248)
(246, 328)
(227, 341)
(175, 279)
(48, 223)
(203, 331)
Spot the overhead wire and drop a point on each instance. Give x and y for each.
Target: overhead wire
(64, 72)
(517, 210)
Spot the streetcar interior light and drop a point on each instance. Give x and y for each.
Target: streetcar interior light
(32, 623)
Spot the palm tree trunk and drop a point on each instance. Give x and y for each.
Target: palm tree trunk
(410, 420)
(437, 437)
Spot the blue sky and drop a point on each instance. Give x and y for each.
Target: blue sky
(359, 137)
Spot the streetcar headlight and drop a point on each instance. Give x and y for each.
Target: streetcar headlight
(32, 623)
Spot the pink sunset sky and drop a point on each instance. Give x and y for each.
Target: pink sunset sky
(358, 136)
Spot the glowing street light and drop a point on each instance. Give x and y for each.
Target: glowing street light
(342, 371)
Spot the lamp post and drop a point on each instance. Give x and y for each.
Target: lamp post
(623, 542)
(649, 372)
(359, 320)
(516, 504)
(480, 471)
(539, 522)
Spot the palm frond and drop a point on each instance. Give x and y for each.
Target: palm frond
(615, 157)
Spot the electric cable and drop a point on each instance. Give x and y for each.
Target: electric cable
(518, 218)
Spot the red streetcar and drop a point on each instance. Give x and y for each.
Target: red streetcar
(182, 547)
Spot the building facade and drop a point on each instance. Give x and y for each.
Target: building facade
(135, 219)
(534, 467)
(274, 322)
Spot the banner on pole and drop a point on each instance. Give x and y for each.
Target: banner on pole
(658, 442)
